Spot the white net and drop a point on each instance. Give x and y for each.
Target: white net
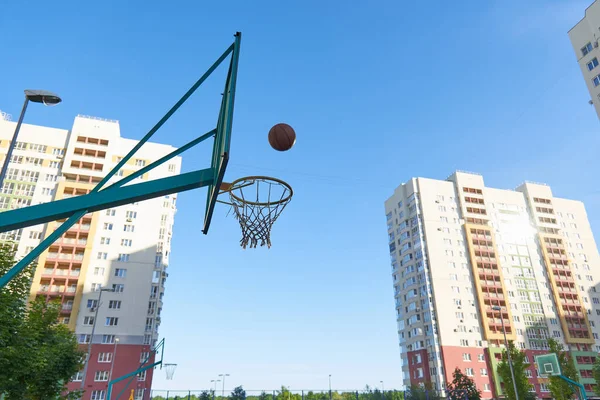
(257, 201)
(170, 370)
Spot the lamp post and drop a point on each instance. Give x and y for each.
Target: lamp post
(223, 377)
(114, 358)
(89, 351)
(215, 389)
(329, 386)
(36, 96)
(510, 364)
(382, 390)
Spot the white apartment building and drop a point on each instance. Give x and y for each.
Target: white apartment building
(584, 38)
(459, 249)
(125, 249)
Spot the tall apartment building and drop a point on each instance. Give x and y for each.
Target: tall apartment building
(584, 38)
(458, 249)
(125, 249)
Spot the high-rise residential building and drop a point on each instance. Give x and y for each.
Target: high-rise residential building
(584, 38)
(125, 249)
(460, 249)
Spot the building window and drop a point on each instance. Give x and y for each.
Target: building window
(118, 287)
(88, 320)
(98, 395)
(483, 372)
(107, 226)
(108, 339)
(128, 228)
(464, 342)
(586, 49)
(141, 376)
(144, 356)
(78, 377)
(592, 64)
(92, 303)
(171, 167)
(104, 240)
(111, 212)
(105, 357)
(98, 271)
(121, 272)
(123, 257)
(486, 387)
(131, 214)
(469, 371)
(466, 357)
(114, 304)
(111, 321)
(126, 242)
(480, 358)
(83, 338)
(102, 256)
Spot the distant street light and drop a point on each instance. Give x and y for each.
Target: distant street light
(215, 389)
(382, 390)
(223, 377)
(36, 96)
(329, 386)
(510, 364)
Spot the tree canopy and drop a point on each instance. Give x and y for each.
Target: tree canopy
(462, 387)
(38, 355)
(519, 366)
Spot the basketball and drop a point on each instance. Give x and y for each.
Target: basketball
(282, 137)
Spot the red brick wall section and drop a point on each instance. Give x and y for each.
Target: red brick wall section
(453, 357)
(417, 359)
(127, 360)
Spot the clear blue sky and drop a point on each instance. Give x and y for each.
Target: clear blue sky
(378, 92)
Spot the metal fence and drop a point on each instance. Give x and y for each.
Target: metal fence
(278, 394)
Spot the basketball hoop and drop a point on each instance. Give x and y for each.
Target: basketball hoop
(170, 370)
(257, 202)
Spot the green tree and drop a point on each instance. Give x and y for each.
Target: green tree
(462, 385)
(560, 389)
(264, 396)
(394, 395)
(519, 366)
(596, 375)
(37, 354)
(205, 395)
(238, 394)
(425, 392)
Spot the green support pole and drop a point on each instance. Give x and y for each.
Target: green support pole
(577, 385)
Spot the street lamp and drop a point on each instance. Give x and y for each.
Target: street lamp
(329, 386)
(510, 364)
(223, 377)
(89, 352)
(36, 96)
(114, 359)
(382, 390)
(215, 389)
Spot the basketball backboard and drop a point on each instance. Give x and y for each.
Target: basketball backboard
(220, 155)
(548, 365)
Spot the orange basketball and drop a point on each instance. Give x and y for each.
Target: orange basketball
(282, 137)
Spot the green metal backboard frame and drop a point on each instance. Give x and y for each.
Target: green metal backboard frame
(548, 365)
(220, 156)
(118, 194)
